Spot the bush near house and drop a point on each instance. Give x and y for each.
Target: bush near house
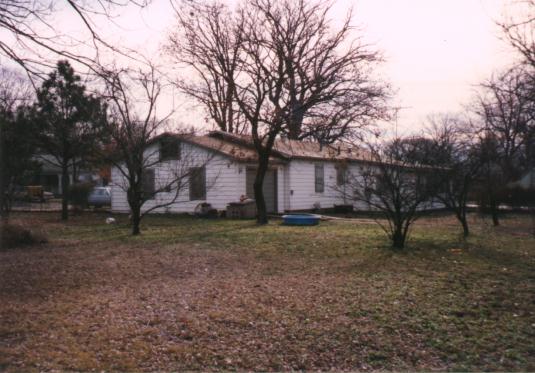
(79, 195)
(16, 235)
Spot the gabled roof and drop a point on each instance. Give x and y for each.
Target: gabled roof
(235, 151)
(286, 149)
(240, 148)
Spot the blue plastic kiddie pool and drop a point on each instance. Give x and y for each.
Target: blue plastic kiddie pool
(300, 219)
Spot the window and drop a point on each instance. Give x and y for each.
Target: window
(197, 183)
(421, 183)
(341, 174)
(319, 184)
(169, 149)
(147, 183)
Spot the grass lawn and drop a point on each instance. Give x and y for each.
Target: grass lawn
(228, 295)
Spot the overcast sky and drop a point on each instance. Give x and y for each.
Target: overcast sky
(436, 50)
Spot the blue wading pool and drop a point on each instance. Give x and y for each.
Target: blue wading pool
(300, 219)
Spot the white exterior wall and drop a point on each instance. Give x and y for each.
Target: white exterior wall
(301, 193)
(224, 182)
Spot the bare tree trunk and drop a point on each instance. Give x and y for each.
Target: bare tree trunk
(464, 223)
(65, 191)
(4, 185)
(460, 214)
(4, 208)
(398, 238)
(295, 123)
(135, 210)
(136, 219)
(74, 175)
(259, 191)
(494, 211)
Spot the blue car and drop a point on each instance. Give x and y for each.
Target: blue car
(99, 197)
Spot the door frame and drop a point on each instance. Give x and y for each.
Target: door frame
(275, 184)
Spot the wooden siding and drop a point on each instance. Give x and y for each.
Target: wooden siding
(225, 182)
(301, 194)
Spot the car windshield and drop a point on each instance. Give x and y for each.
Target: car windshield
(99, 192)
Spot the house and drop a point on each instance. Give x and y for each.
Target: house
(302, 175)
(49, 175)
(525, 182)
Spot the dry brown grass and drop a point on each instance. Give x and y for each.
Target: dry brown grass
(226, 295)
(19, 235)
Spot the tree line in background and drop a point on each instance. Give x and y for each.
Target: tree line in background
(271, 69)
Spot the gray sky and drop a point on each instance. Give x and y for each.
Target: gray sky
(436, 50)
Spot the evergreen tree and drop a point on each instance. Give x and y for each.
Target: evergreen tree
(71, 123)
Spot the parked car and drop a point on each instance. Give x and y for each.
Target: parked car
(99, 197)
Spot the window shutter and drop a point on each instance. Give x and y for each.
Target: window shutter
(197, 183)
(319, 184)
(148, 183)
(341, 174)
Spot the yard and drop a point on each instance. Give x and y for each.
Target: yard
(228, 295)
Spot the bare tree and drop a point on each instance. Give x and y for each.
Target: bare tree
(391, 185)
(30, 32)
(519, 30)
(456, 153)
(293, 66)
(206, 43)
(151, 179)
(329, 87)
(15, 90)
(506, 108)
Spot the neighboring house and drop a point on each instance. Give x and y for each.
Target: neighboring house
(526, 182)
(302, 175)
(49, 175)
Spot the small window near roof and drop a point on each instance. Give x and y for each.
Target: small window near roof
(197, 183)
(319, 177)
(169, 149)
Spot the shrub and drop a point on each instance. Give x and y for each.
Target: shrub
(12, 235)
(79, 194)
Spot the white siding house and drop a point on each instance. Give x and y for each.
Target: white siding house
(225, 182)
(302, 176)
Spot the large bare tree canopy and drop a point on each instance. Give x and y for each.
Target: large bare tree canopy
(329, 91)
(206, 43)
(30, 31)
(520, 30)
(326, 86)
(284, 67)
(506, 108)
